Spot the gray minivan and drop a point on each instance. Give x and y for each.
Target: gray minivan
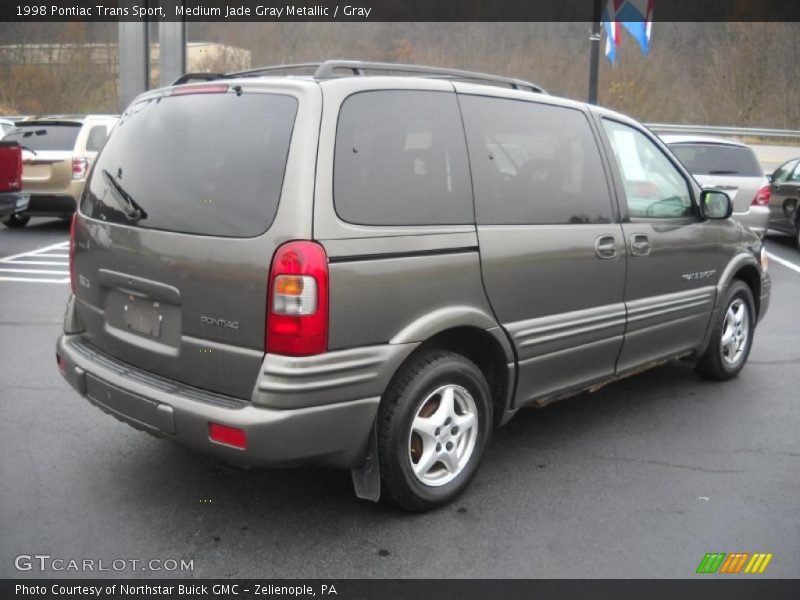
(373, 266)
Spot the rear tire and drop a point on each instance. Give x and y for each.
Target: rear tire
(797, 233)
(433, 425)
(731, 337)
(15, 221)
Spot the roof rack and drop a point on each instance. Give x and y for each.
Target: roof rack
(328, 70)
(190, 77)
(332, 69)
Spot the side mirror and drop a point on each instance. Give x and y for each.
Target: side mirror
(715, 204)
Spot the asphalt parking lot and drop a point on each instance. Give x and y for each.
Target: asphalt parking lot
(639, 479)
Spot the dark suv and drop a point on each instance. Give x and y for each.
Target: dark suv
(374, 271)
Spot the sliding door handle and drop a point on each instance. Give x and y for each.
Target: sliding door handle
(640, 245)
(605, 247)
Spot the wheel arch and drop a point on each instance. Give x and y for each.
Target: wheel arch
(743, 268)
(489, 349)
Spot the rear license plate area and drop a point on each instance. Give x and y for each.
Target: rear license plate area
(142, 316)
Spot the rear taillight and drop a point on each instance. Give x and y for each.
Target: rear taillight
(762, 197)
(17, 185)
(10, 167)
(297, 313)
(72, 251)
(79, 168)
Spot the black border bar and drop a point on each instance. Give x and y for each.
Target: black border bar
(390, 10)
(708, 587)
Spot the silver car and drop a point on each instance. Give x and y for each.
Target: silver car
(731, 166)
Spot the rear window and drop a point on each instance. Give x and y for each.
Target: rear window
(718, 159)
(207, 164)
(45, 137)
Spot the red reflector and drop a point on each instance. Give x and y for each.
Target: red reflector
(183, 90)
(762, 197)
(229, 436)
(62, 366)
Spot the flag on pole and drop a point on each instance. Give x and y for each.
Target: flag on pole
(612, 28)
(634, 15)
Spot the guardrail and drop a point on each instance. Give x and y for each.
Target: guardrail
(725, 131)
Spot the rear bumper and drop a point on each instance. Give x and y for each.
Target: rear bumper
(756, 219)
(12, 202)
(334, 435)
(51, 205)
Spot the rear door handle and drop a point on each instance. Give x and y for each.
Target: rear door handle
(606, 247)
(640, 245)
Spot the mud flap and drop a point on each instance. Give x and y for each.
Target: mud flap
(367, 477)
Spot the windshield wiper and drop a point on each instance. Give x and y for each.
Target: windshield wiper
(135, 213)
(723, 172)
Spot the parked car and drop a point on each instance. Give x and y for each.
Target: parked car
(12, 200)
(784, 199)
(373, 272)
(6, 125)
(730, 166)
(57, 154)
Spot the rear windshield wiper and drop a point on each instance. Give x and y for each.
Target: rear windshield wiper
(135, 213)
(723, 172)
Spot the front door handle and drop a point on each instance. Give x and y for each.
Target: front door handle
(606, 247)
(640, 245)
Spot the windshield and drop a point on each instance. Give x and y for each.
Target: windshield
(169, 164)
(718, 159)
(45, 136)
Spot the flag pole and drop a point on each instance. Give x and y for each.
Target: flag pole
(594, 58)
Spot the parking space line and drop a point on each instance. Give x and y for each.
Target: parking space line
(35, 280)
(43, 272)
(60, 263)
(782, 261)
(59, 246)
(41, 265)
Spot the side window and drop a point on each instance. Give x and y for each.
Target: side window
(796, 174)
(401, 159)
(782, 173)
(96, 139)
(654, 188)
(533, 163)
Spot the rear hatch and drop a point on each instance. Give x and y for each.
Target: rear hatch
(174, 237)
(735, 169)
(10, 166)
(47, 149)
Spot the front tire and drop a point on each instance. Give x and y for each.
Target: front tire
(16, 220)
(433, 425)
(732, 336)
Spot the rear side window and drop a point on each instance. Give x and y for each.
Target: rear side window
(96, 139)
(533, 164)
(717, 159)
(45, 137)
(401, 159)
(166, 167)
